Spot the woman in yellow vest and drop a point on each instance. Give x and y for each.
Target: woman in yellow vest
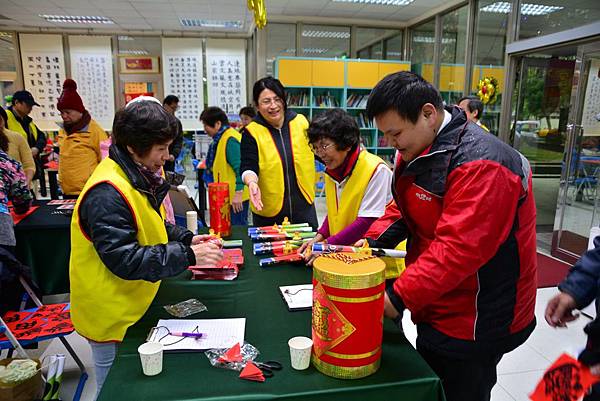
(121, 246)
(18, 148)
(277, 164)
(357, 183)
(79, 141)
(223, 161)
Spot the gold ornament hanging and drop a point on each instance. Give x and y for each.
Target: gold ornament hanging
(488, 90)
(260, 12)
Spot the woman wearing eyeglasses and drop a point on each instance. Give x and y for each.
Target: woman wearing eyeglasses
(357, 183)
(277, 164)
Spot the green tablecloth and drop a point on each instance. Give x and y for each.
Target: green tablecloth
(403, 374)
(44, 244)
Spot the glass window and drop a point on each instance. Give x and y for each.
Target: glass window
(549, 16)
(281, 41)
(372, 39)
(393, 47)
(140, 46)
(377, 51)
(452, 70)
(364, 53)
(8, 69)
(421, 49)
(490, 38)
(325, 41)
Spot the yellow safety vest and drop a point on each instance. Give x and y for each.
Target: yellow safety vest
(222, 171)
(16, 126)
(103, 306)
(270, 165)
(342, 212)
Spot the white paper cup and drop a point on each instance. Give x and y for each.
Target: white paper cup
(191, 219)
(300, 350)
(151, 356)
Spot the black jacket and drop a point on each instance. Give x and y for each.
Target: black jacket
(106, 218)
(175, 147)
(295, 206)
(583, 284)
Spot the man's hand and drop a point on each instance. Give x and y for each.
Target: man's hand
(559, 310)
(236, 202)
(207, 253)
(202, 238)
(255, 196)
(388, 308)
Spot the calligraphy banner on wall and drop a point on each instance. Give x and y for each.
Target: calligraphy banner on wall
(92, 69)
(590, 119)
(226, 74)
(182, 76)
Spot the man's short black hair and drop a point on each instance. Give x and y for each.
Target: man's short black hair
(142, 125)
(405, 93)
(211, 115)
(272, 84)
(474, 104)
(170, 99)
(336, 125)
(248, 111)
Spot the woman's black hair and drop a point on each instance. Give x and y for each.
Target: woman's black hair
(336, 125)
(211, 115)
(142, 125)
(3, 136)
(248, 111)
(272, 84)
(4, 116)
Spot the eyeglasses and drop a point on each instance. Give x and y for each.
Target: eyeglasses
(267, 101)
(320, 148)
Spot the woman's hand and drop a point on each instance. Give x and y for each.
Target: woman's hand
(306, 249)
(207, 253)
(360, 243)
(255, 196)
(201, 238)
(559, 310)
(236, 202)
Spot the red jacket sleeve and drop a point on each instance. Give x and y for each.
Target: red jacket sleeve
(480, 206)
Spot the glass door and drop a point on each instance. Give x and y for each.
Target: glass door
(578, 204)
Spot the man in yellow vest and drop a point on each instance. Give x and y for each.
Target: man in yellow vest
(223, 161)
(19, 121)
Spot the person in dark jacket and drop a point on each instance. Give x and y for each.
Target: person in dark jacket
(465, 202)
(578, 290)
(121, 246)
(171, 104)
(278, 165)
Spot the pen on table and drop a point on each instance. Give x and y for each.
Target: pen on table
(187, 334)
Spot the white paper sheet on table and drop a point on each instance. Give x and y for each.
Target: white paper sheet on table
(297, 297)
(220, 333)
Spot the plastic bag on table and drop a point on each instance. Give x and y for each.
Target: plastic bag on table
(218, 356)
(185, 308)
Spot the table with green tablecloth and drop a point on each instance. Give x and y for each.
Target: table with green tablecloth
(44, 244)
(403, 374)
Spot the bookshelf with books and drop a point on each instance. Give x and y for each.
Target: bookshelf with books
(315, 85)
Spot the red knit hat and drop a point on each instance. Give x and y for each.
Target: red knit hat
(69, 98)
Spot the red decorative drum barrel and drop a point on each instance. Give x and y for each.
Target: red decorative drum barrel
(218, 198)
(347, 318)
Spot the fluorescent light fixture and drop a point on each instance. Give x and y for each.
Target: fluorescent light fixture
(77, 19)
(204, 23)
(306, 50)
(431, 39)
(378, 2)
(134, 52)
(526, 8)
(125, 37)
(326, 34)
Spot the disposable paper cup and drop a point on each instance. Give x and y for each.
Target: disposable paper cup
(191, 219)
(151, 356)
(300, 349)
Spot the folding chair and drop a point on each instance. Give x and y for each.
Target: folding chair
(17, 345)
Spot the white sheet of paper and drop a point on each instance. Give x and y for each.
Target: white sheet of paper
(297, 296)
(220, 333)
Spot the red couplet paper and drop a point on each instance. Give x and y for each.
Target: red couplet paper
(18, 217)
(233, 354)
(565, 380)
(251, 372)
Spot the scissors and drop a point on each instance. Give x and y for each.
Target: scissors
(268, 367)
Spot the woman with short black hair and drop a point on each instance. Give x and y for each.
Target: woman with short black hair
(357, 183)
(121, 246)
(277, 164)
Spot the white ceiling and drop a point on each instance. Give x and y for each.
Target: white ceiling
(157, 15)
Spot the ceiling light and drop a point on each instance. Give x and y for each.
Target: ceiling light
(378, 2)
(77, 19)
(203, 23)
(326, 34)
(123, 37)
(134, 52)
(526, 9)
(431, 39)
(314, 50)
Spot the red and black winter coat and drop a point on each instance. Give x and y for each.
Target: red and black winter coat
(466, 206)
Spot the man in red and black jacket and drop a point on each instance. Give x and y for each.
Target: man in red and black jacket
(465, 202)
